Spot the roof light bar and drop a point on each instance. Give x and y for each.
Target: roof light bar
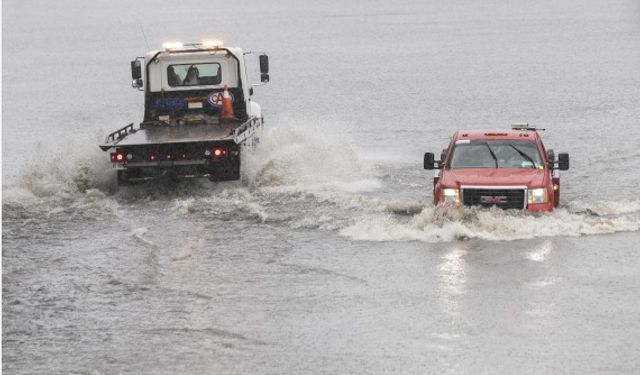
(524, 126)
(521, 126)
(211, 43)
(172, 45)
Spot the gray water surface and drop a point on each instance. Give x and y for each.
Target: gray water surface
(327, 257)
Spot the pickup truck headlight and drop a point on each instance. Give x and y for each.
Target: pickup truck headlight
(450, 196)
(537, 196)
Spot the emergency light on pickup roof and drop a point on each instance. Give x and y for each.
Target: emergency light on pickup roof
(524, 126)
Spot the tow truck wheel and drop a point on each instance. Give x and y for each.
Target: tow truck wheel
(123, 179)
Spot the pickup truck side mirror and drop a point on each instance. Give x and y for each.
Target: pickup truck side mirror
(551, 158)
(429, 161)
(563, 161)
(443, 155)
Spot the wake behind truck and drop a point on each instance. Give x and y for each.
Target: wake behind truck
(509, 169)
(198, 115)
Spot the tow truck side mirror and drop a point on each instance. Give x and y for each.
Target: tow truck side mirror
(136, 73)
(563, 161)
(264, 68)
(136, 70)
(429, 160)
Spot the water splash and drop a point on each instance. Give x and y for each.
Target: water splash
(450, 224)
(300, 159)
(302, 179)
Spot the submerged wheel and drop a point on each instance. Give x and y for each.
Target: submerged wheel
(123, 178)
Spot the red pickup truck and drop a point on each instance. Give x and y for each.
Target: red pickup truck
(510, 169)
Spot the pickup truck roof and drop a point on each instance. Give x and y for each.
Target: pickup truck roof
(498, 134)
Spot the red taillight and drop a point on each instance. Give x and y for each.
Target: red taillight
(184, 156)
(168, 157)
(117, 157)
(219, 152)
(152, 157)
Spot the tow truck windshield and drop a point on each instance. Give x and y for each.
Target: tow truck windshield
(495, 154)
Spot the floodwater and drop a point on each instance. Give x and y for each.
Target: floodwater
(327, 257)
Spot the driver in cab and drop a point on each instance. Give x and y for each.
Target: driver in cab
(193, 76)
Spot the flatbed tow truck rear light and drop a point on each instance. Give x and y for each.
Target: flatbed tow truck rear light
(219, 152)
(117, 157)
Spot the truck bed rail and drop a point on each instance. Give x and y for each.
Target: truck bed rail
(246, 130)
(117, 135)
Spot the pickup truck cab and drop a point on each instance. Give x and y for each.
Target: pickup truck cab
(510, 169)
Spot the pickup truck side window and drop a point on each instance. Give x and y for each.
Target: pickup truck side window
(200, 74)
(496, 153)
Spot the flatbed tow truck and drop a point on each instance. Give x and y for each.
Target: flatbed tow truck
(198, 115)
(509, 169)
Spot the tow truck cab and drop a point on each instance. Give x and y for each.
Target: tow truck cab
(172, 95)
(510, 169)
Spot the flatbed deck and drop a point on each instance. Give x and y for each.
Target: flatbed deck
(162, 134)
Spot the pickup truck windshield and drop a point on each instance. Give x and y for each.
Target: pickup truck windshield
(495, 154)
(202, 74)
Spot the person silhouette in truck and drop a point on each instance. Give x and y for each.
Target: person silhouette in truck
(173, 77)
(193, 76)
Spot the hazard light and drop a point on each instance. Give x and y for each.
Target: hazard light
(172, 45)
(211, 44)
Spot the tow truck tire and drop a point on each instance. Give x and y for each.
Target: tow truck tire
(123, 179)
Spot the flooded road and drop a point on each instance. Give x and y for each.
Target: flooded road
(327, 257)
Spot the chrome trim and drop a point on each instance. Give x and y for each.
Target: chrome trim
(497, 187)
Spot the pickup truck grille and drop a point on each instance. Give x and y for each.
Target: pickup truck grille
(500, 197)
